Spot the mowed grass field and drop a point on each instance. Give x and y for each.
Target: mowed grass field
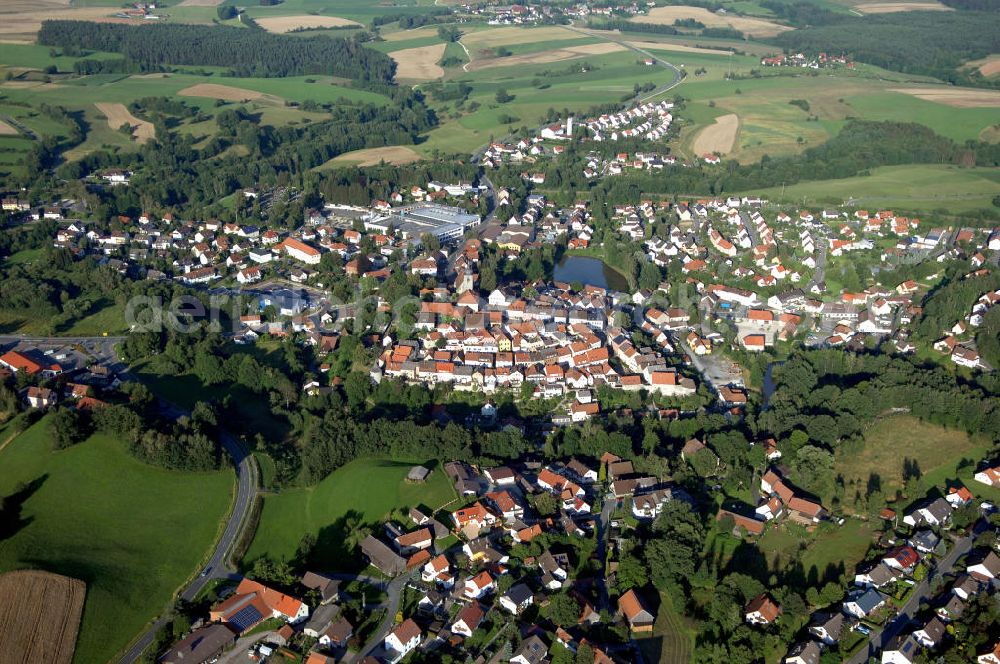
(672, 640)
(937, 451)
(915, 187)
(371, 488)
(133, 533)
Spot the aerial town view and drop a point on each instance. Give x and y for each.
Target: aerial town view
(433, 331)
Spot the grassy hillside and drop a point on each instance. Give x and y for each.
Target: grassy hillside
(132, 532)
(370, 488)
(918, 188)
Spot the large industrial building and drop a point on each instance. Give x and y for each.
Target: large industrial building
(444, 222)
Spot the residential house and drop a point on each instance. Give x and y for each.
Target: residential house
(329, 589)
(204, 644)
(518, 598)
(984, 564)
(382, 557)
(337, 634)
(827, 627)
(253, 602)
(932, 513)
(640, 618)
(531, 651)
(479, 586)
(862, 603)
(991, 657)
(762, 610)
(931, 634)
(902, 649)
(807, 652)
(401, 640)
(468, 619)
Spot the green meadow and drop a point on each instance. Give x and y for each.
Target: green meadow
(369, 488)
(924, 187)
(80, 504)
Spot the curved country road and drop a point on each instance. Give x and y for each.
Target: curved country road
(218, 566)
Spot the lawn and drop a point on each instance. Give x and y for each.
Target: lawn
(132, 532)
(672, 641)
(371, 488)
(106, 318)
(921, 187)
(938, 452)
(819, 554)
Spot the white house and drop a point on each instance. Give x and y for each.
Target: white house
(517, 599)
(404, 638)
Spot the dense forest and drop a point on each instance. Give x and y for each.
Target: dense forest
(245, 52)
(926, 43)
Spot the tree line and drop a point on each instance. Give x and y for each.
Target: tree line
(244, 52)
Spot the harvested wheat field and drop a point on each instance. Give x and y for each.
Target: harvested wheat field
(988, 66)
(415, 33)
(420, 63)
(227, 93)
(543, 57)
(6, 129)
(678, 48)
(957, 97)
(118, 115)
(392, 154)
(480, 39)
(754, 27)
(890, 7)
(39, 616)
(719, 137)
(20, 21)
(289, 23)
(34, 85)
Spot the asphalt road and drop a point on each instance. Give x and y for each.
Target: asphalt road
(879, 640)
(601, 553)
(394, 592)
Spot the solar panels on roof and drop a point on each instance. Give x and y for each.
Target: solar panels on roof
(245, 618)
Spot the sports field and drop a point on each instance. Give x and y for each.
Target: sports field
(371, 488)
(133, 533)
(923, 187)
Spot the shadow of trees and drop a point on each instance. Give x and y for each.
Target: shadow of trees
(11, 519)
